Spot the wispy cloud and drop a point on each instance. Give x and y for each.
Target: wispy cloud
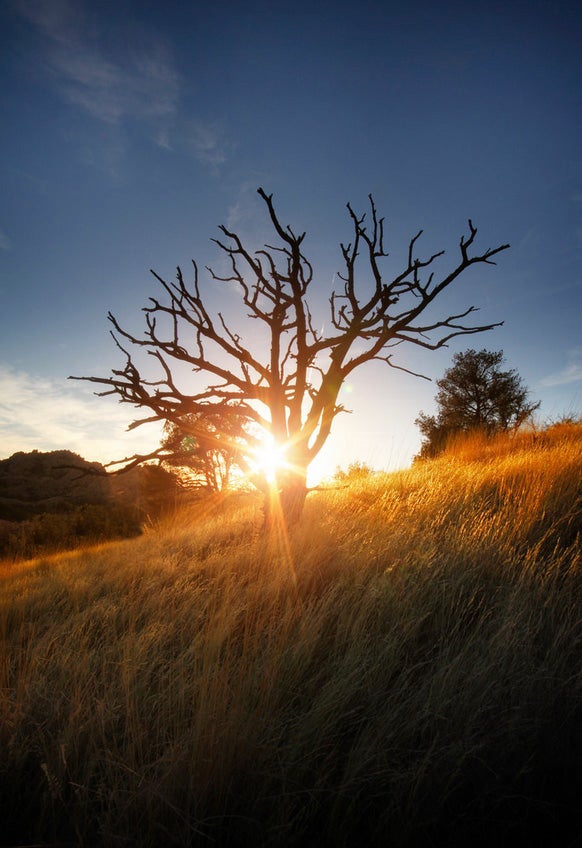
(571, 373)
(245, 217)
(111, 85)
(247, 214)
(117, 80)
(142, 89)
(44, 414)
(208, 142)
(162, 139)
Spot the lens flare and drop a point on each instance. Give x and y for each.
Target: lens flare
(268, 458)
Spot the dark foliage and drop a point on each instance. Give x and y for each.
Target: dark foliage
(205, 448)
(475, 394)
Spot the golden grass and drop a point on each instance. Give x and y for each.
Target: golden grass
(405, 669)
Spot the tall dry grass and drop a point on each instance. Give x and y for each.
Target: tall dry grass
(403, 670)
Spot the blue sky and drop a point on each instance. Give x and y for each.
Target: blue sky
(130, 131)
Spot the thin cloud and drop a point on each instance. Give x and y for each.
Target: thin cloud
(58, 19)
(208, 143)
(37, 413)
(110, 92)
(247, 214)
(138, 83)
(162, 139)
(244, 209)
(571, 373)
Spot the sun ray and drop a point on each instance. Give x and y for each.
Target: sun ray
(268, 459)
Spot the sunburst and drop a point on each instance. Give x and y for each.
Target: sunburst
(269, 458)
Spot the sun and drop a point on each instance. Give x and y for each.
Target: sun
(268, 458)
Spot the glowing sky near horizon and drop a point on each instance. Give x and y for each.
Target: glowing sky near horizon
(130, 132)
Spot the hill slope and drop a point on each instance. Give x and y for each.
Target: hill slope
(404, 670)
(36, 482)
(57, 500)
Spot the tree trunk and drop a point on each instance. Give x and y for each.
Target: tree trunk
(292, 500)
(284, 501)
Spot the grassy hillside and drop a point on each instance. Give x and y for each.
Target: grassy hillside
(404, 670)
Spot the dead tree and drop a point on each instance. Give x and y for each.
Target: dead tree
(292, 390)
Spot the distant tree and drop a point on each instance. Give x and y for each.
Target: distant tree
(475, 394)
(356, 472)
(289, 379)
(206, 446)
(435, 435)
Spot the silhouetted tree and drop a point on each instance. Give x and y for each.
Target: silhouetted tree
(290, 388)
(475, 394)
(207, 446)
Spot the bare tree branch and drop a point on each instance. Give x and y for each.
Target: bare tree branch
(292, 388)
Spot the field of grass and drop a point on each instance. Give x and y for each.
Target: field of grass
(404, 669)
